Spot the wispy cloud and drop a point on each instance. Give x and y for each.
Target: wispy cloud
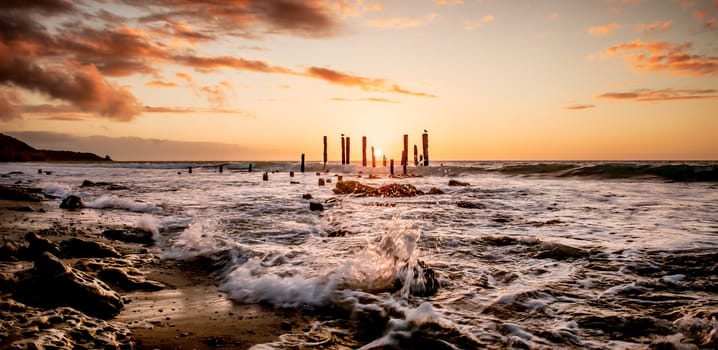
(161, 84)
(665, 57)
(554, 16)
(402, 22)
(662, 95)
(604, 29)
(478, 23)
(655, 27)
(369, 84)
(576, 107)
(368, 99)
(449, 2)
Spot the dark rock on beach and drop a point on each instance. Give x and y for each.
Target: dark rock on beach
(51, 283)
(18, 193)
(424, 282)
(39, 245)
(559, 251)
(129, 235)
(307, 196)
(72, 202)
(435, 190)
(315, 206)
(453, 182)
(80, 248)
(470, 205)
(127, 282)
(108, 185)
(10, 251)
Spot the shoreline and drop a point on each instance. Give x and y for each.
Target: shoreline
(190, 312)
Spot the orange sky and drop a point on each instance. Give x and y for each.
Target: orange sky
(265, 80)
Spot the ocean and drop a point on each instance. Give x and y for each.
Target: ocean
(595, 255)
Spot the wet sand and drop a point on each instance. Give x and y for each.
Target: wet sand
(188, 313)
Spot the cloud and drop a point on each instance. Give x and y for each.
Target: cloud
(71, 57)
(666, 57)
(699, 14)
(649, 95)
(369, 84)
(655, 27)
(198, 110)
(161, 84)
(712, 24)
(554, 16)
(575, 107)
(604, 30)
(475, 24)
(368, 99)
(402, 22)
(217, 94)
(9, 109)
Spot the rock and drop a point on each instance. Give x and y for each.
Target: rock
(10, 251)
(119, 277)
(7, 282)
(391, 190)
(435, 190)
(39, 245)
(307, 196)
(559, 251)
(23, 208)
(399, 190)
(423, 283)
(52, 284)
(321, 182)
(353, 187)
(294, 182)
(453, 182)
(79, 248)
(18, 193)
(501, 219)
(72, 202)
(129, 236)
(470, 205)
(315, 206)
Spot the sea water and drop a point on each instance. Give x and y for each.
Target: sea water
(547, 258)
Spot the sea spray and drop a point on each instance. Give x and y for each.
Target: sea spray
(114, 202)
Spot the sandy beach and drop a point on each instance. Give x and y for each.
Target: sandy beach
(187, 312)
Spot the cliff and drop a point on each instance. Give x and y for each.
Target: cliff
(14, 150)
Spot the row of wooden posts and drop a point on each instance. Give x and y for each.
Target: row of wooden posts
(346, 148)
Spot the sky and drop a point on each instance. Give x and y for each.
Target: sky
(266, 80)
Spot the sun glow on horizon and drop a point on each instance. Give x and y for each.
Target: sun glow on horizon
(377, 152)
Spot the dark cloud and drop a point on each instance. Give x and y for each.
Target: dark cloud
(649, 95)
(9, 108)
(46, 7)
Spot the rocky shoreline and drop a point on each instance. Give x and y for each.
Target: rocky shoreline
(79, 279)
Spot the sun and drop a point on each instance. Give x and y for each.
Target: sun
(377, 153)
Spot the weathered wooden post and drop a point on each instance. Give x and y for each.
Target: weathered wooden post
(384, 161)
(325, 152)
(348, 151)
(343, 152)
(405, 153)
(321, 182)
(416, 156)
(220, 168)
(291, 174)
(391, 169)
(302, 166)
(363, 151)
(425, 144)
(249, 170)
(406, 160)
(373, 158)
(265, 176)
(190, 170)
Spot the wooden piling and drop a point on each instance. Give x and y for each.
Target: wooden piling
(384, 161)
(220, 168)
(416, 156)
(373, 158)
(249, 169)
(425, 145)
(391, 169)
(344, 154)
(363, 151)
(405, 152)
(190, 170)
(325, 152)
(265, 176)
(291, 174)
(406, 160)
(348, 151)
(302, 166)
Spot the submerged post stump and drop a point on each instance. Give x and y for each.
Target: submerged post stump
(265, 176)
(425, 146)
(416, 156)
(363, 151)
(302, 167)
(391, 168)
(385, 160)
(348, 148)
(325, 152)
(344, 154)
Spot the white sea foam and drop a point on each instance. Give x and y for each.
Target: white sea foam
(57, 190)
(114, 202)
